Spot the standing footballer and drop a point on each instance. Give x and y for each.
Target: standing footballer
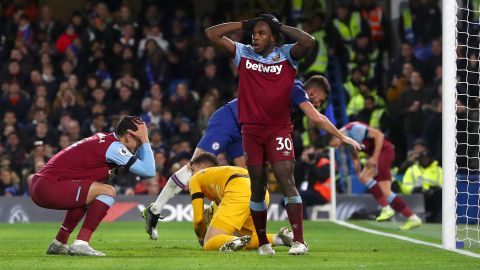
(266, 74)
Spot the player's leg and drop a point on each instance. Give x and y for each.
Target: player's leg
(255, 160)
(283, 171)
(45, 193)
(367, 177)
(281, 154)
(283, 238)
(220, 234)
(398, 204)
(211, 142)
(99, 199)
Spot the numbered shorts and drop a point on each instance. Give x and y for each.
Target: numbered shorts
(54, 194)
(233, 212)
(385, 160)
(217, 143)
(268, 146)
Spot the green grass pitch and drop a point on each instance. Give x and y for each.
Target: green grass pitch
(23, 246)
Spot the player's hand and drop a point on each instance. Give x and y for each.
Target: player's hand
(352, 142)
(247, 25)
(274, 23)
(141, 133)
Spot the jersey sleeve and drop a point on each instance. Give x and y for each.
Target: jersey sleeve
(197, 205)
(358, 132)
(298, 95)
(238, 53)
(286, 51)
(117, 153)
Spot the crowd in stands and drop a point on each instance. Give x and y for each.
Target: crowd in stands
(62, 81)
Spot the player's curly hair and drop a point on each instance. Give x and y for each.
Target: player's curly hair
(126, 123)
(205, 158)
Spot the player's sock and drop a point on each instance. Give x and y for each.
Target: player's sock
(254, 241)
(294, 207)
(217, 241)
(175, 184)
(376, 192)
(72, 218)
(96, 212)
(259, 216)
(399, 205)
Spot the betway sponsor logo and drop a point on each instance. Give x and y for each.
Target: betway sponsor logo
(264, 68)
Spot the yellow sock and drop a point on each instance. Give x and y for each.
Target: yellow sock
(217, 241)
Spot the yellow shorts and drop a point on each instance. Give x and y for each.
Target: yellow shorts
(233, 213)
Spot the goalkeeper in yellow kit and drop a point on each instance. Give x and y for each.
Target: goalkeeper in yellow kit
(231, 227)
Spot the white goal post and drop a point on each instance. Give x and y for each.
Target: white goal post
(449, 68)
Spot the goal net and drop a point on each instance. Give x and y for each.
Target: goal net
(461, 123)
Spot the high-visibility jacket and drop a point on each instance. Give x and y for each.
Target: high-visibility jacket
(350, 31)
(376, 117)
(351, 89)
(408, 25)
(374, 18)
(323, 188)
(357, 103)
(416, 176)
(321, 59)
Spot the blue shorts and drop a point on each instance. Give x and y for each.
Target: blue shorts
(222, 134)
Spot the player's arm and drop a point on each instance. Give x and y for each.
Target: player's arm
(324, 123)
(304, 41)
(378, 138)
(216, 34)
(197, 205)
(142, 164)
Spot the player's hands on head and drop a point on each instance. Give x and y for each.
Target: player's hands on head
(271, 20)
(142, 131)
(248, 25)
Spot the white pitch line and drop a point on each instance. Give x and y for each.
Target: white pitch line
(404, 238)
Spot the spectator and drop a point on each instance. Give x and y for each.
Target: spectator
(153, 33)
(9, 184)
(317, 177)
(411, 102)
(66, 39)
(426, 177)
(47, 25)
(17, 101)
(15, 151)
(184, 102)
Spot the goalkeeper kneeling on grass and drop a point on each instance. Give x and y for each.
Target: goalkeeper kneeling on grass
(231, 227)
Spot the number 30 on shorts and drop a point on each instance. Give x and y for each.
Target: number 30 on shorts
(284, 143)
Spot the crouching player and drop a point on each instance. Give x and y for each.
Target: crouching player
(73, 179)
(231, 227)
(376, 174)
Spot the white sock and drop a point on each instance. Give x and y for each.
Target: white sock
(168, 192)
(174, 185)
(414, 217)
(388, 208)
(80, 242)
(58, 243)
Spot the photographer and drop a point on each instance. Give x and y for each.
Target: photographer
(425, 176)
(317, 177)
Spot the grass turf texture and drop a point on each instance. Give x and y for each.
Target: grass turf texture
(23, 246)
